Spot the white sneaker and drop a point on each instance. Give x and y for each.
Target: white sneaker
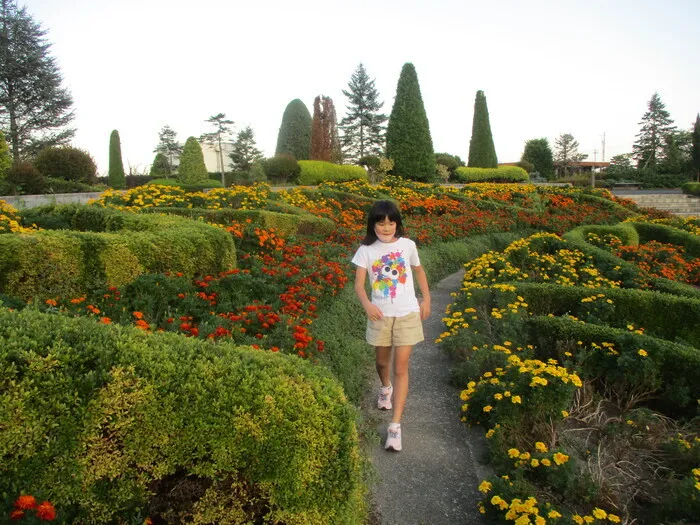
(384, 399)
(393, 439)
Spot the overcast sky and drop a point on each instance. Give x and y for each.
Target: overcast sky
(587, 68)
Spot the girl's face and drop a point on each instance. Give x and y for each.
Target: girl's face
(385, 230)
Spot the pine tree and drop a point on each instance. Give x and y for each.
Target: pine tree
(655, 125)
(324, 133)
(116, 177)
(294, 136)
(168, 146)
(695, 151)
(221, 133)
(245, 153)
(363, 129)
(160, 166)
(408, 141)
(672, 160)
(566, 152)
(34, 109)
(482, 153)
(538, 153)
(192, 168)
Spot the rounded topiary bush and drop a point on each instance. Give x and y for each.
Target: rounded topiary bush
(113, 424)
(67, 163)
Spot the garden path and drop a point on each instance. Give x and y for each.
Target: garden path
(434, 479)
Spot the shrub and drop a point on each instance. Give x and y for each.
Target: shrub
(116, 166)
(68, 186)
(132, 414)
(369, 161)
(451, 162)
(314, 172)
(282, 169)
(195, 187)
(500, 174)
(25, 179)
(67, 163)
(192, 169)
(294, 137)
(160, 166)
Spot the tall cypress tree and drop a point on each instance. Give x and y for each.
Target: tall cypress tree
(695, 152)
(482, 153)
(408, 141)
(295, 131)
(192, 168)
(363, 126)
(116, 177)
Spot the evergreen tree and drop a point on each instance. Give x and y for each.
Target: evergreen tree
(34, 109)
(245, 153)
(655, 125)
(221, 133)
(566, 152)
(482, 153)
(294, 136)
(408, 141)
(116, 177)
(672, 160)
(324, 133)
(168, 146)
(695, 151)
(5, 157)
(363, 126)
(160, 166)
(538, 153)
(192, 168)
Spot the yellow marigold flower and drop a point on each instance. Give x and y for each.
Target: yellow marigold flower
(481, 508)
(535, 462)
(516, 399)
(560, 458)
(513, 452)
(613, 518)
(588, 519)
(696, 472)
(498, 396)
(488, 408)
(485, 486)
(600, 513)
(553, 514)
(525, 456)
(506, 393)
(564, 413)
(490, 433)
(642, 352)
(630, 327)
(578, 519)
(541, 447)
(464, 395)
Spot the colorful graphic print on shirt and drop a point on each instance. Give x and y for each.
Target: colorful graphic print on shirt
(389, 271)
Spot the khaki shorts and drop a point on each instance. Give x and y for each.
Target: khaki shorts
(395, 331)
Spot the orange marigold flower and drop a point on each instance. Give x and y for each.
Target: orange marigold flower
(16, 514)
(25, 502)
(51, 302)
(138, 315)
(105, 320)
(46, 511)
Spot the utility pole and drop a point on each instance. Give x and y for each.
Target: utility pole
(603, 159)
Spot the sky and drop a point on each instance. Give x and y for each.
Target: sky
(587, 68)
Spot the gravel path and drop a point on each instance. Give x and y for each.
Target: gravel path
(434, 479)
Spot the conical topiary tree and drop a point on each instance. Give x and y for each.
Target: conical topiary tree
(408, 141)
(192, 168)
(294, 136)
(160, 166)
(115, 176)
(482, 153)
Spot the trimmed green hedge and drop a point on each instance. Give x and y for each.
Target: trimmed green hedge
(660, 314)
(105, 420)
(691, 188)
(285, 223)
(500, 174)
(625, 231)
(675, 371)
(314, 172)
(99, 247)
(669, 235)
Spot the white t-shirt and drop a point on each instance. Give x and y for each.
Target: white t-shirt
(388, 265)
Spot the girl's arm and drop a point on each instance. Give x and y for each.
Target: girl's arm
(373, 311)
(422, 280)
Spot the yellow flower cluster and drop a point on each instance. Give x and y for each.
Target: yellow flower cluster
(9, 220)
(597, 514)
(696, 475)
(519, 511)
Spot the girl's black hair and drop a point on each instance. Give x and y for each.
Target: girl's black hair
(377, 213)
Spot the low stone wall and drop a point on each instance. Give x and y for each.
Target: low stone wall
(30, 201)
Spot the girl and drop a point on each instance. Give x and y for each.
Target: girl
(394, 315)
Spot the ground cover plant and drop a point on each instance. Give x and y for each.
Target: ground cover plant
(283, 291)
(584, 377)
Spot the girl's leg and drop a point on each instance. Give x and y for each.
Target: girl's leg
(401, 357)
(383, 361)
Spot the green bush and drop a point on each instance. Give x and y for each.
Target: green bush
(192, 188)
(668, 235)
(192, 169)
(314, 172)
(24, 178)
(691, 188)
(500, 174)
(282, 169)
(67, 163)
(67, 186)
(104, 421)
